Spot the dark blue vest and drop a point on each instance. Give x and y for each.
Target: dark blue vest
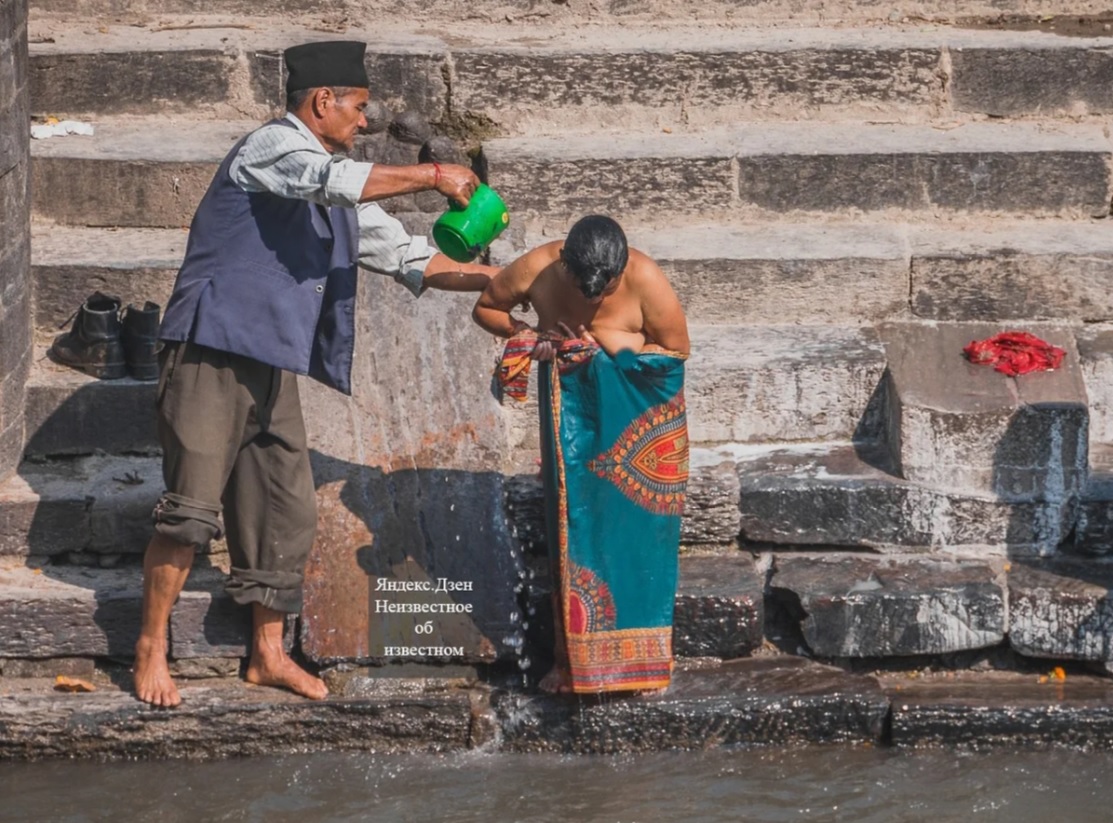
(270, 278)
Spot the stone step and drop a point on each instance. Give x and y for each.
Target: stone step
(838, 272)
(71, 611)
(859, 272)
(527, 12)
(744, 384)
(778, 168)
(959, 426)
(842, 495)
(152, 172)
(75, 611)
(1093, 533)
(89, 509)
(68, 264)
(891, 607)
(678, 76)
(1061, 608)
(781, 699)
(70, 413)
(765, 383)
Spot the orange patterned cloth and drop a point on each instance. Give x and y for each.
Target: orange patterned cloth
(512, 371)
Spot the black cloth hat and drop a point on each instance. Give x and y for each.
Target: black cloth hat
(331, 63)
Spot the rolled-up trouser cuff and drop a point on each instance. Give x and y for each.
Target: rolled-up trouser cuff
(281, 591)
(190, 522)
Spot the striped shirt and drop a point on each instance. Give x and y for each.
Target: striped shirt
(292, 163)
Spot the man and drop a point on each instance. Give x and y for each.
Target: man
(614, 446)
(267, 290)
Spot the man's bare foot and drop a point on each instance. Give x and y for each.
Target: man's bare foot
(153, 683)
(279, 670)
(557, 681)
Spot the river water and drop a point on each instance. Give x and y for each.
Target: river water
(861, 784)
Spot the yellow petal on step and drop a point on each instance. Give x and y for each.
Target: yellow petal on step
(1059, 674)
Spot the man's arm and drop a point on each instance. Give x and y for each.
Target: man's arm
(445, 274)
(662, 315)
(287, 162)
(455, 182)
(507, 289)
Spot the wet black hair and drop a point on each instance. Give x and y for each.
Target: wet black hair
(595, 253)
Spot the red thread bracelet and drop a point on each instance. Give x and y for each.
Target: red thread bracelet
(436, 175)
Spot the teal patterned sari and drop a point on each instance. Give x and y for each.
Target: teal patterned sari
(614, 440)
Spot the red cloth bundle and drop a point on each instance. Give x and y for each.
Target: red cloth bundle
(1015, 352)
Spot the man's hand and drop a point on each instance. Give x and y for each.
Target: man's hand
(456, 182)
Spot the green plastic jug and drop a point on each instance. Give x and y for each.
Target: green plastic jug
(463, 232)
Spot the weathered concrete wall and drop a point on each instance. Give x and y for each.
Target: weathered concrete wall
(410, 488)
(15, 231)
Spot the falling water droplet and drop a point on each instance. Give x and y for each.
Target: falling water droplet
(524, 663)
(515, 617)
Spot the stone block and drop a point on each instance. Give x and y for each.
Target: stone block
(777, 274)
(409, 81)
(15, 195)
(767, 383)
(69, 264)
(711, 513)
(976, 167)
(97, 504)
(120, 512)
(70, 413)
(147, 173)
(51, 667)
(838, 495)
(11, 450)
(959, 426)
(567, 177)
(1068, 80)
(1062, 609)
(105, 192)
(13, 83)
(669, 71)
(227, 720)
(1093, 531)
(1004, 712)
(69, 612)
(1095, 356)
(1030, 272)
(138, 81)
(404, 80)
(15, 312)
(892, 607)
(207, 623)
(720, 607)
(765, 700)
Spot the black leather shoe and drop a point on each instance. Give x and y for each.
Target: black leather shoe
(141, 340)
(93, 343)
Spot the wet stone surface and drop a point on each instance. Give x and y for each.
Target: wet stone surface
(225, 720)
(1062, 609)
(867, 607)
(1003, 710)
(772, 700)
(720, 607)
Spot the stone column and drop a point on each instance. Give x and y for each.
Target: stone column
(15, 231)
